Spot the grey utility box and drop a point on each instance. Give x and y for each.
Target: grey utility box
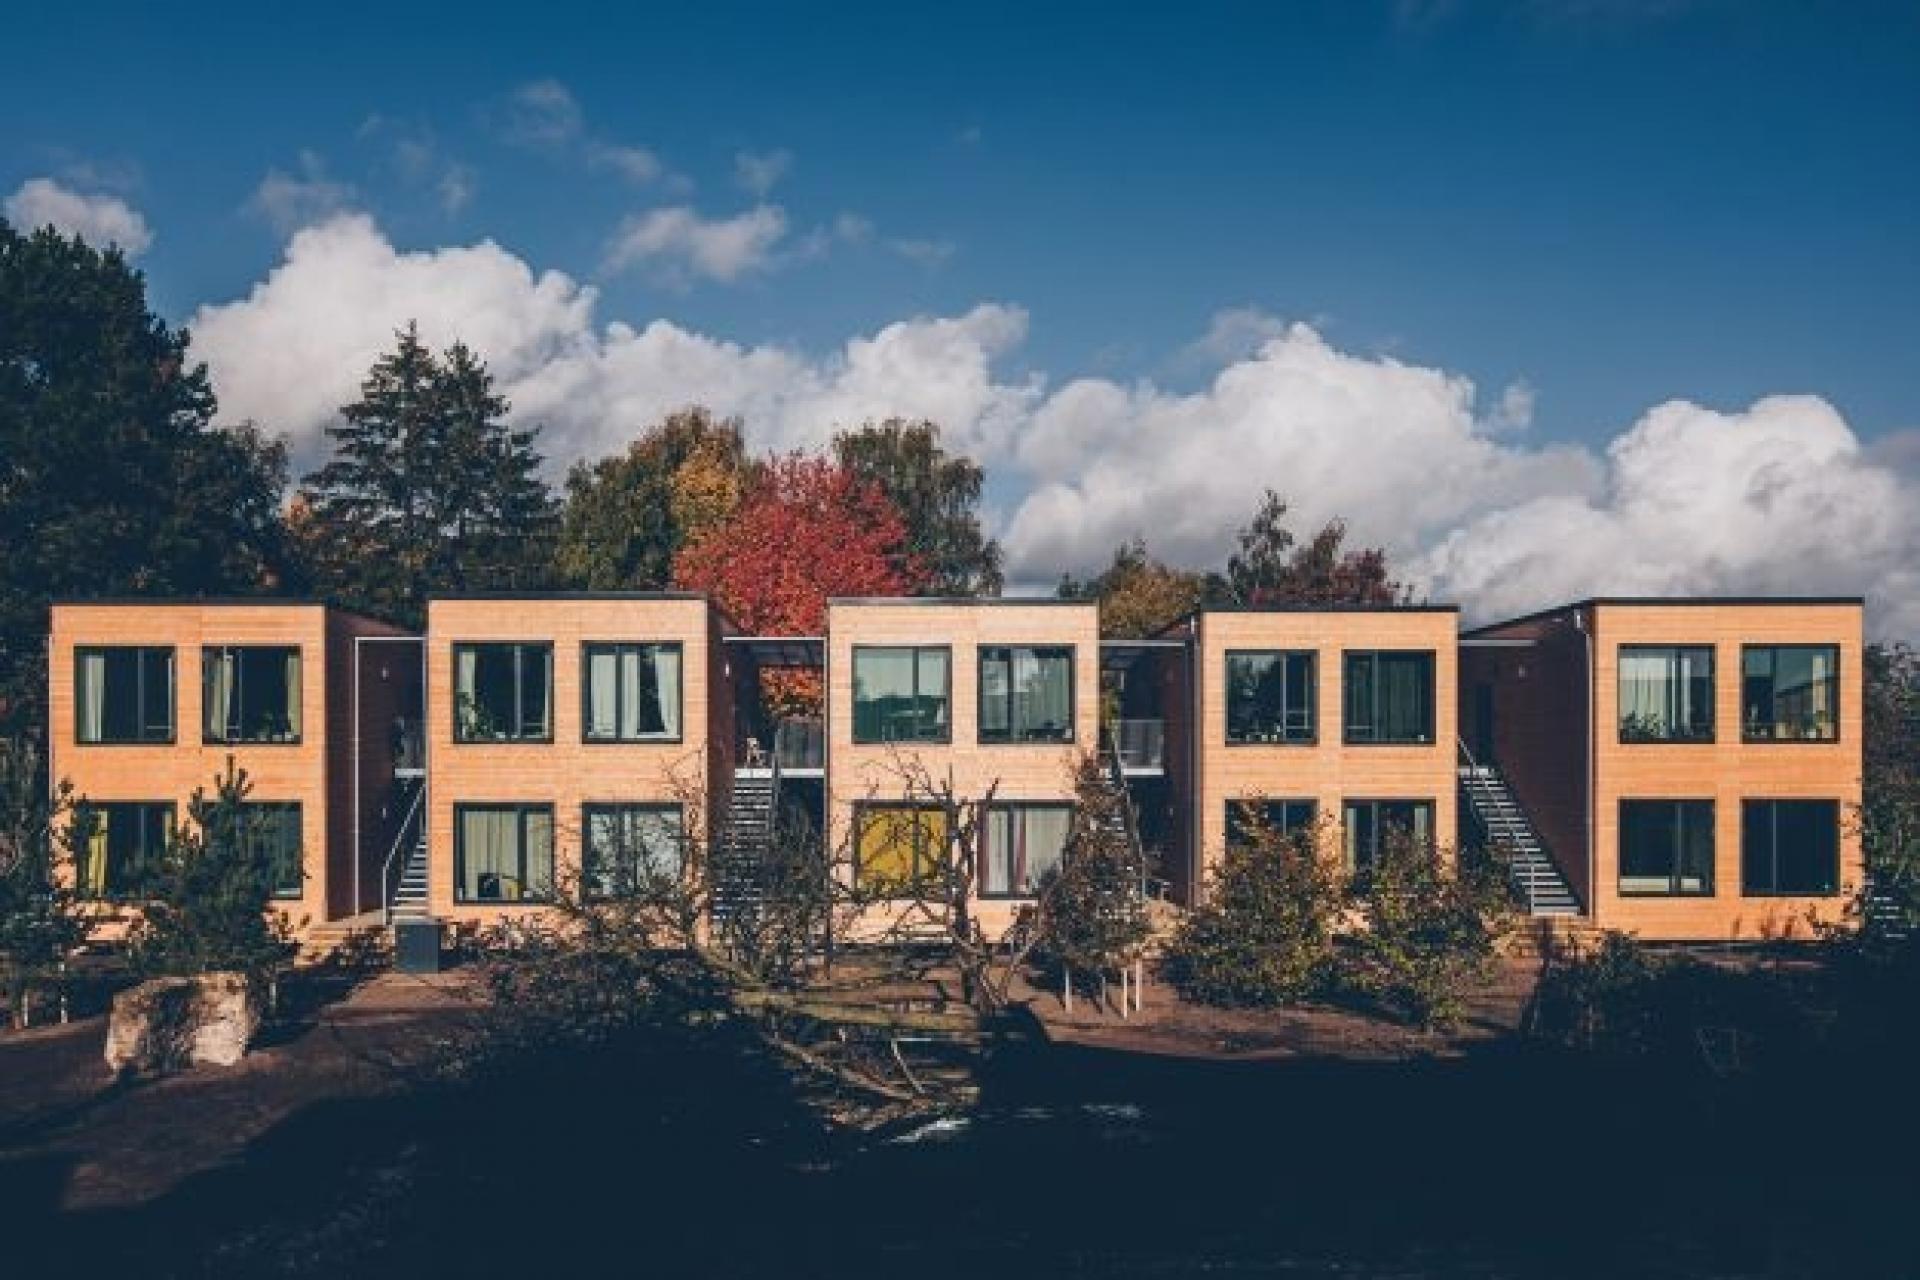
(416, 946)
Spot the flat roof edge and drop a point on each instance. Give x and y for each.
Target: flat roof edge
(1679, 602)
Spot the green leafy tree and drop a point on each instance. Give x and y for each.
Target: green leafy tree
(628, 515)
(937, 494)
(1091, 911)
(113, 478)
(1889, 817)
(1138, 595)
(41, 922)
(1270, 567)
(1434, 924)
(208, 899)
(428, 490)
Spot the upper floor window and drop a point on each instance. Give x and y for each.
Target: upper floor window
(1372, 824)
(1790, 693)
(1666, 693)
(1666, 847)
(900, 849)
(1270, 696)
(901, 693)
(632, 850)
(1023, 843)
(250, 693)
(117, 842)
(123, 694)
(632, 692)
(503, 692)
(502, 852)
(1026, 694)
(1789, 847)
(1390, 697)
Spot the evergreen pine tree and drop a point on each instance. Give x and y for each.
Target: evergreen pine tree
(1092, 910)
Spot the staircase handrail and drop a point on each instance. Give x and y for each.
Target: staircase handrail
(1513, 876)
(1117, 778)
(414, 809)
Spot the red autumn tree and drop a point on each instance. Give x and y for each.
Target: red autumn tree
(808, 529)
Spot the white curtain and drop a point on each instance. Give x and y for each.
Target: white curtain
(1046, 842)
(1643, 691)
(633, 663)
(93, 696)
(466, 675)
(293, 693)
(489, 853)
(666, 671)
(538, 859)
(602, 687)
(217, 688)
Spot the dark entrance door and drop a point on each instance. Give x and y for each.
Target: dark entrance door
(1483, 722)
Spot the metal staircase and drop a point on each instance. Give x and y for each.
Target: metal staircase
(1536, 876)
(403, 876)
(738, 881)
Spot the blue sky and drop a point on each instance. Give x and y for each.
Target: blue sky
(1608, 204)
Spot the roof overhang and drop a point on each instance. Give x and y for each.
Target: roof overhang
(781, 651)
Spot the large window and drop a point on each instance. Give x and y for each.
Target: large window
(1284, 818)
(272, 828)
(1389, 697)
(631, 693)
(502, 852)
(900, 694)
(1270, 696)
(123, 694)
(503, 692)
(900, 848)
(1026, 694)
(250, 693)
(1023, 843)
(1666, 848)
(1789, 847)
(632, 849)
(1790, 693)
(1666, 693)
(118, 841)
(1370, 824)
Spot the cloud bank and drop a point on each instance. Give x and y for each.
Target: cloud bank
(100, 220)
(1778, 496)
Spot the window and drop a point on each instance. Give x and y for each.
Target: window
(1370, 823)
(1270, 697)
(1666, 848)
(1789, 847)
(503, 692)
(118, 841)
(1666, 693)
(1026, 694)
(899, 847)
(632, 693)
(632, 848)
(273, 830)
(502, 852)
(1390, 697)
(123, 694)
(1023, 843)
(1790, 693)
(900, 694)
(250, 693)
(1283, 818)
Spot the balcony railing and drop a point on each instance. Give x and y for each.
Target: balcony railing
(800, 744)
(409, 742)
(1141, 744)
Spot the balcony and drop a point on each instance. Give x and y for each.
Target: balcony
(1140, 744)
(800, 745)
(409, 744)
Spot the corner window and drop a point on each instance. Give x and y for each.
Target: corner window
(1370, 824)
(1282, 817)
(502, 852)
(1390, 697)
(1270, 696)
(900, 849)
(631, 849)
(250, 693)
(1666, 693)
(631, 692)
(123, 694)
(116, 842)
(901, 694)
(1789, 847)
(503, 692)
(1790, 693)
(1026, 694)
(1023, 842)
(1666, 848)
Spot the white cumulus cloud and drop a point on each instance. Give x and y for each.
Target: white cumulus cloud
(680, 245)
(100, 220)
(290, 201)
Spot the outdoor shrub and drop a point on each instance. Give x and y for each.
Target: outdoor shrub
(1432, 930)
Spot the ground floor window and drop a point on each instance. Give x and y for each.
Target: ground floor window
(117, 841)
(1789, 847)
(1283, 818)
(502, 852)
(1023, 842)
(632, 849)
(1666, 848)
(273, 829)
(900, 848)
(1371, 823)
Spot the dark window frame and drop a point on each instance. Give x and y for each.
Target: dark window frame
(1284, 828)
(587, 648)
(1747, 736)
(918, 883)
(1312, 737)
(460, 734)
(1349, 859)
(173, 694)
(1431, 731)
(282, 893)
(592, 808)
(980, 693)
(1747, 807)
(297, 697)
(853, 693)
(1671, 739)
(980, 873)
(88, 811)
(1712, 886)
(522, 809)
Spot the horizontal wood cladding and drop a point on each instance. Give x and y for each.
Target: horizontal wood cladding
(567, 772)
(1727, 770)
(1328, 771)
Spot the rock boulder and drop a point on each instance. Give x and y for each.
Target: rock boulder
(170, 1023)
